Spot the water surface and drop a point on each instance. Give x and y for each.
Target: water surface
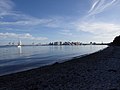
(14, 59)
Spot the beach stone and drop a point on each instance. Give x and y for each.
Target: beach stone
(97, 71)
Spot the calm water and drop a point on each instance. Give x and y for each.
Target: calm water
(14, 59)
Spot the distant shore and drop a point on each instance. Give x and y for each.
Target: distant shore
(67, 44)
(97, 71)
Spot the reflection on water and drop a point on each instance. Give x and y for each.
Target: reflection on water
(45, 51)
(14, 59)
(20, 50)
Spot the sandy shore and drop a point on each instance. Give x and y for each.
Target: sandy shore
(97, 71)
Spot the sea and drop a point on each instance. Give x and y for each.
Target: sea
(14, 59)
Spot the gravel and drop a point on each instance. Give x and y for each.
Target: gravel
(97, 71)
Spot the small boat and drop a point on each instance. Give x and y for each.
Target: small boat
(19, 44)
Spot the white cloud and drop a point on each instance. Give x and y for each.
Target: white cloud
(99, 6)
(21, 36)
(66, 32)
(6, 6)
(29, 22)
(20, 19)
(99, 29)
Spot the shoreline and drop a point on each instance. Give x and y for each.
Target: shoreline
(5, 70)
(99, 70)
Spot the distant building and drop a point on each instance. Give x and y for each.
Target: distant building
(9, 43)
(57, 43)
(51, 43)
(66, 43)
(60, 43)
(38, 44)
(13, 43)
(94, 43)
(91, 43)
(75, 43)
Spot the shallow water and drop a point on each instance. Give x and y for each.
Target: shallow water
(14, 59)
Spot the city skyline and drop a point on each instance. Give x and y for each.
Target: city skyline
(59, 20)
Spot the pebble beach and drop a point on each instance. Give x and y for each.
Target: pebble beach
(97, 71)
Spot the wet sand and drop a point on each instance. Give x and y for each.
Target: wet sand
(97, 71)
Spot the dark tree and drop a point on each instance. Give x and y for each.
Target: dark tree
(116, 41)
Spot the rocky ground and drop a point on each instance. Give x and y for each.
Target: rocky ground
(97, 71)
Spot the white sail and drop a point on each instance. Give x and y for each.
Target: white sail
(19, 44)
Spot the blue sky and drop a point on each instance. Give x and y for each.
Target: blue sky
(43, 21)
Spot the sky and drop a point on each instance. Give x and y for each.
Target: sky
(44, 21)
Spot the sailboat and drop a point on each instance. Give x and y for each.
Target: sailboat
(19, 44)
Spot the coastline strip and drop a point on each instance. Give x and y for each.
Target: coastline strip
(98, 70)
